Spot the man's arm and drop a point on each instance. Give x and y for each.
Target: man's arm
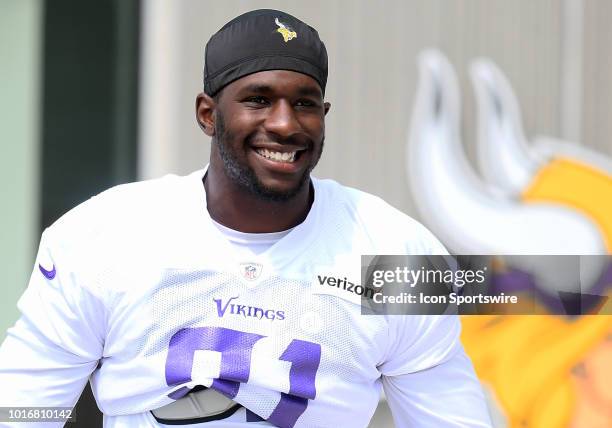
(47, 357)
(428, 379)
(446, 395)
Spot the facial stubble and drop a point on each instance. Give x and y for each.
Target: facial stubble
(244, 176)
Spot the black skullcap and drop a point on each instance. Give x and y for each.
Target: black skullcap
(259, 40)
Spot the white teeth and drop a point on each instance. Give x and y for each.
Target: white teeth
(277, 156)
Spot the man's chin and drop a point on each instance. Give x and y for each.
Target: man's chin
(276, 193)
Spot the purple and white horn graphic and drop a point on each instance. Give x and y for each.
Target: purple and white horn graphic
(505, 157)
(456, 204)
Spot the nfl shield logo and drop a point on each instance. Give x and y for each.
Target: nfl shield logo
(250, 271)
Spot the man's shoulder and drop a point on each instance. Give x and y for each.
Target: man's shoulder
(123, 199)
(380, 220)
(121, 210)
(368, 208)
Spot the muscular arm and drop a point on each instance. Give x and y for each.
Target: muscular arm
(428, 379)
(48, 355)
(446, 395)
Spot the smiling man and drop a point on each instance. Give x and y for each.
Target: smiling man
(268, 130)
(228, 298)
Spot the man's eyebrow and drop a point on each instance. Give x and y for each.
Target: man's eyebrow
(257, 89)
(311, 91)
(303, 91)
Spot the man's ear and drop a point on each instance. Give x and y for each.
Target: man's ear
(205, 106)
(327, 106)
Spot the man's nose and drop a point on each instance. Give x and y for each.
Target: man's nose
(282, 120)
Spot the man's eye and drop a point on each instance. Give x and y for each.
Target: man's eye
(306, 103)
(257, 100)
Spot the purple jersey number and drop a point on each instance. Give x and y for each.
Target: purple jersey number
(236, 348)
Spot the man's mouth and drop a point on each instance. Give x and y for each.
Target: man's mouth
(284, 157)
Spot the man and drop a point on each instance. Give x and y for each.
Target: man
(206, 299)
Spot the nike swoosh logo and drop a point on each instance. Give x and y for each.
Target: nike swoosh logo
(49, 274)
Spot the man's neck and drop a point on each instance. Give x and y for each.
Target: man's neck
(241, 210)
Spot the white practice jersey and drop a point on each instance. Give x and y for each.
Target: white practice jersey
(137, 291)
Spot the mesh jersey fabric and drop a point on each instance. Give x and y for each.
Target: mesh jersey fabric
(149, 298)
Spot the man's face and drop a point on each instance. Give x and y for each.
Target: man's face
(269, 132)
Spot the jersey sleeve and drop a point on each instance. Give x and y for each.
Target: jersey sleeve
(50, 352)
(445, 395)
(428, 379)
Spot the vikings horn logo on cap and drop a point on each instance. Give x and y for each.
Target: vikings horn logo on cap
(287, 32)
